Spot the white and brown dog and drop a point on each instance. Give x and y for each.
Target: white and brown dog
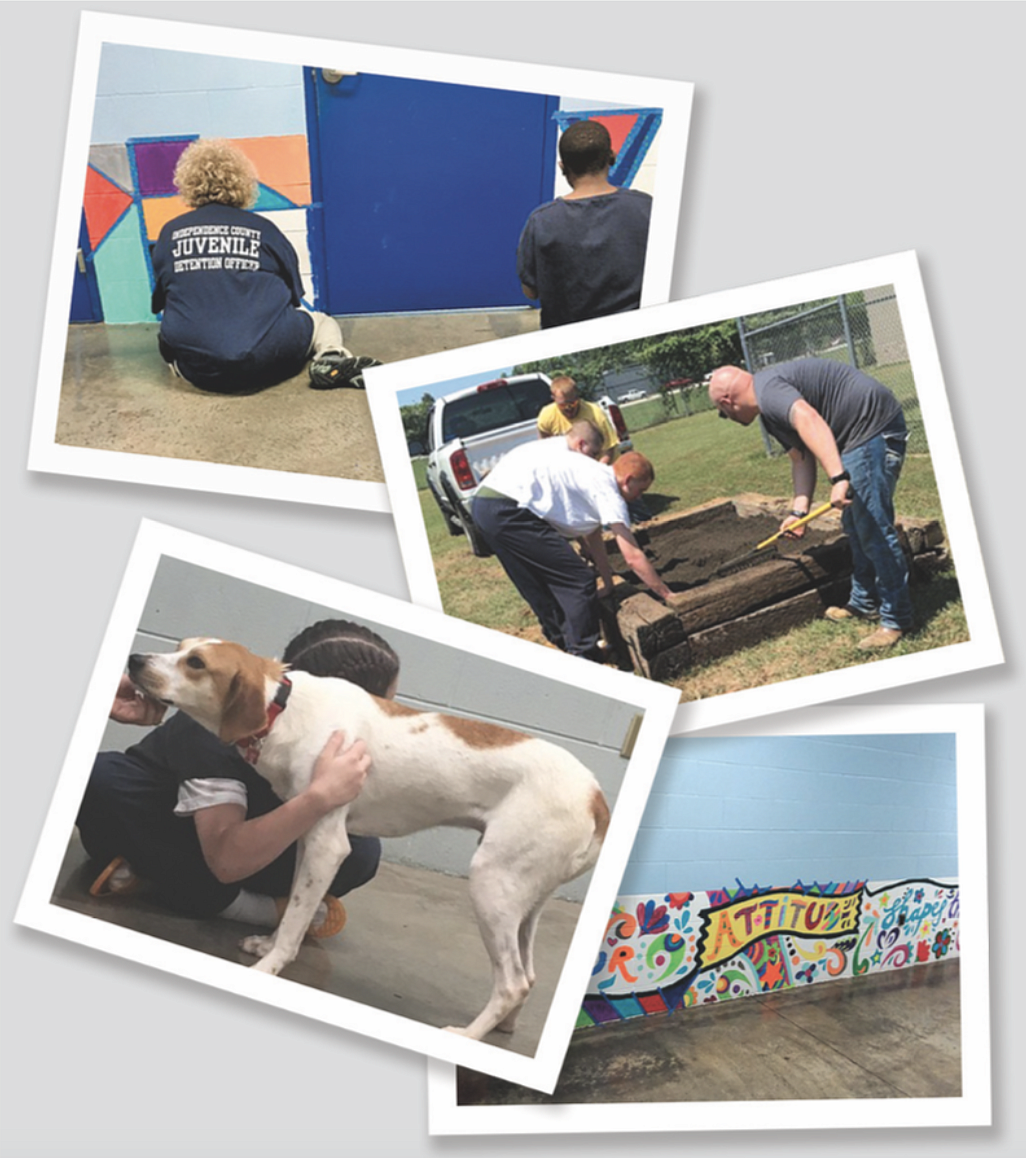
(541, 814)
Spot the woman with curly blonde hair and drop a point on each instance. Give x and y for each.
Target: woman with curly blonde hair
(228, 285)
(215, 172)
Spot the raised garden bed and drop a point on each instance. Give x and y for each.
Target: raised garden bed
(790, 583)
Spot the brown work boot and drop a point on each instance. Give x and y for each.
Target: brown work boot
(845, 614)
(882, 637)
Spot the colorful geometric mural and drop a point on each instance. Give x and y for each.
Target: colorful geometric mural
(130, 195)
(631, 132)
(684, 949)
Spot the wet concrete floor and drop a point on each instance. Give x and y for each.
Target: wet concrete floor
(886, 1035)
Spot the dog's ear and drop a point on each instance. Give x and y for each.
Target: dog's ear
(245, 708)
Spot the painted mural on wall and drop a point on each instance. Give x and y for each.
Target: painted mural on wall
(632, 133)
(130, 195)
(678, 950)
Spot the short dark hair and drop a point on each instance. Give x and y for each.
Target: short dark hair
(344, 650)
(586, 147)
(589, 432)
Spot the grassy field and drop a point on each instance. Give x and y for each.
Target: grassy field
(698, 459)
(897, 377)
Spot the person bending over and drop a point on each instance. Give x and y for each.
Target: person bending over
(543, 494)
(829, 413)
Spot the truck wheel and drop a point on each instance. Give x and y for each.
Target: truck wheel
(452, 525)
(474, 537)
(478, 546)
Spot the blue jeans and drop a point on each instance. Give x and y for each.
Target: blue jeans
(880, 572)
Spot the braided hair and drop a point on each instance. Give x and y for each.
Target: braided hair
(349, 651)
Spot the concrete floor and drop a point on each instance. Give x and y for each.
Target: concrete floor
(885, 1035)
(117, 394)
(410, 946)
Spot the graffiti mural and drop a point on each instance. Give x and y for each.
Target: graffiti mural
(678, 950)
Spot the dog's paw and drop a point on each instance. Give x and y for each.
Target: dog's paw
(269, 964)
(257, 946)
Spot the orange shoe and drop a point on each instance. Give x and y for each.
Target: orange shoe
(111, 882)
(334, 920)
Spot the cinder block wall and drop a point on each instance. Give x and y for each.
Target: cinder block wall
(775, 810)
(765, 863)
(148, 93)
(186, 600)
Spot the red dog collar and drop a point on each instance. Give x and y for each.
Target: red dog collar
(249, 747)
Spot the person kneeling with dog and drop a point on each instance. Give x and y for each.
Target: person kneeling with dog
(185, 815)
(228, 284)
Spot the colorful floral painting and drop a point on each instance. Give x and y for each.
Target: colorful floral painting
(660, 954)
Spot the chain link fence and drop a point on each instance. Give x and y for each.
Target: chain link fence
(663, 401)
(862, 329)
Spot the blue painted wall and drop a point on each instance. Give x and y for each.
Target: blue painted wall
(774, 810)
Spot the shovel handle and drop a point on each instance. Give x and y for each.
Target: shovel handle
(820, 510)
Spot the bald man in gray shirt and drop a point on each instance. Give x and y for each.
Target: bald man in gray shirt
(832, 414)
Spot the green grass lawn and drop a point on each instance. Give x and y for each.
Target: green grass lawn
(698, 459)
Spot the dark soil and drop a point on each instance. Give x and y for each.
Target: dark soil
(688, 556)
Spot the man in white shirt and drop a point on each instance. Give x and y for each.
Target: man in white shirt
(541, 495)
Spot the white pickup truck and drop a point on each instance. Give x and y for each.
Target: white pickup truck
(469, 431)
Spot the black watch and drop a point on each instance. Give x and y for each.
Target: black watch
(844, 476)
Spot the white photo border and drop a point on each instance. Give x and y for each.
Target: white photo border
(156, 541)
(973, 1108)
(674, 97)
(900, 270)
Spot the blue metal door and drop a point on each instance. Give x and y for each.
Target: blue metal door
(85, 291)
(421, 190)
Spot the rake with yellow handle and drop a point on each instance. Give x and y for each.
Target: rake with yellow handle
(733, 564)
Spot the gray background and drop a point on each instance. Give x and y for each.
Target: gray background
(186, 601)
(822, 134)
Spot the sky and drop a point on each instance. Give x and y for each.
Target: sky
(450, 385)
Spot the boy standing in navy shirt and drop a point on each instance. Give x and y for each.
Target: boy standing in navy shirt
(583, 255)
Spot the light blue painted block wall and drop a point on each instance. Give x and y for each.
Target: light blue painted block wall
(151, 92)
(777, 809)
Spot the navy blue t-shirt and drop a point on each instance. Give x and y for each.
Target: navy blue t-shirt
(855, 406)
(229, 285)
(183, 750)
(585, 258)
